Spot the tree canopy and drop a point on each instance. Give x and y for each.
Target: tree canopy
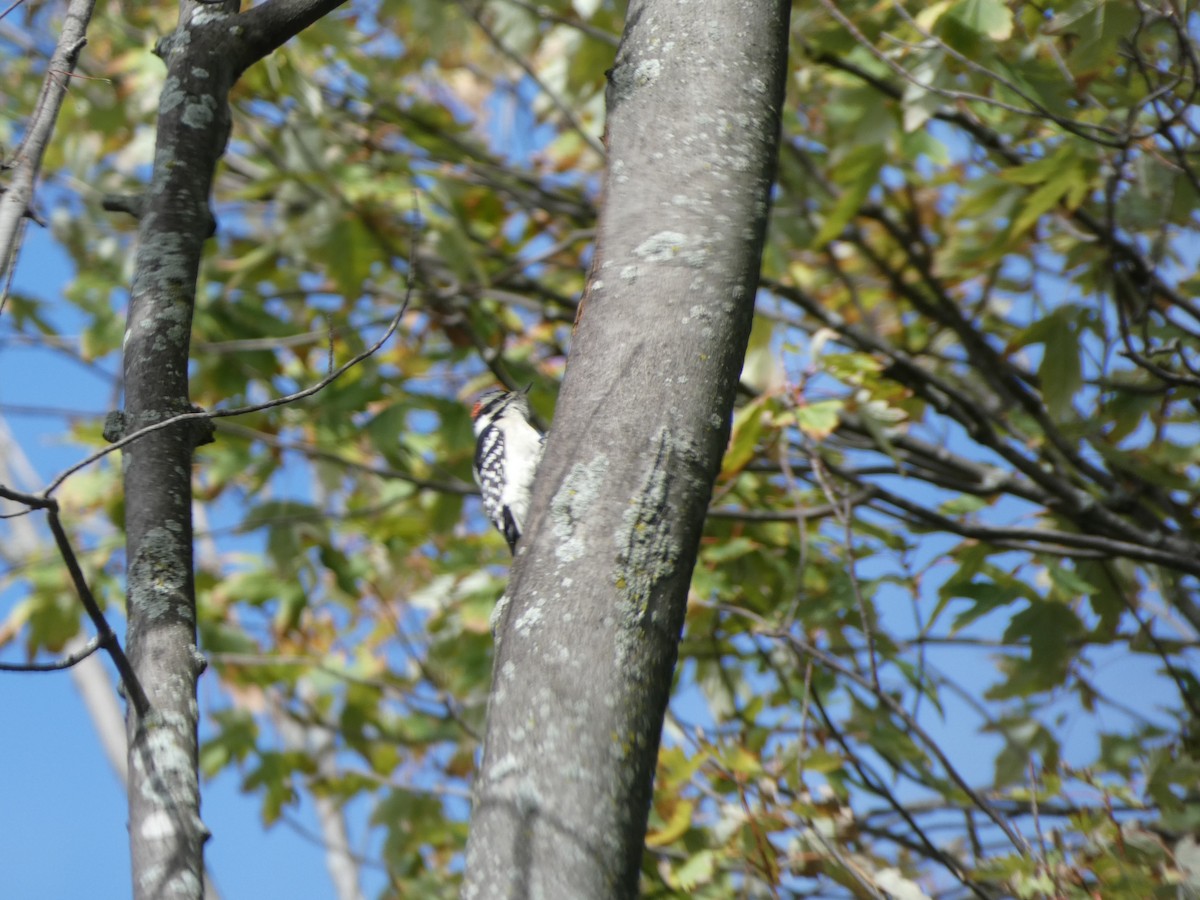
(941, 631)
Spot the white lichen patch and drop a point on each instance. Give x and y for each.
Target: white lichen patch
(172, 95)
(661, 247)
(504, 767)
(529, 618)
(647, 72)
(158, 826)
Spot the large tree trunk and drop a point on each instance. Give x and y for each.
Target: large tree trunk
(587, 634)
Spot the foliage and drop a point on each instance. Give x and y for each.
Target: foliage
(959, 491)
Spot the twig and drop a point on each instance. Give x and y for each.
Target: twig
(462, 488)
(843, 512)
(1037, 111)
(104, 634)
(564, 110)
(239, 410)
(133, 688)
(873, 782)
(545, 12)
(799, 514)
(804, 648)
(65, 662)
(11, 7)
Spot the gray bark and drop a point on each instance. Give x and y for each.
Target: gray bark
(166, 833)
(588, 631)
(204, 58)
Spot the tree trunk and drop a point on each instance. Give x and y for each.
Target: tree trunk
(165, 830)
(588, 631)
(204, 56)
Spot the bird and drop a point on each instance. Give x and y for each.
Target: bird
(508, 449)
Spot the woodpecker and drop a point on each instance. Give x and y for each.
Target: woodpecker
(507, 452)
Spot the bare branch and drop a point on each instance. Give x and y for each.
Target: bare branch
(104, 634)
(550, 15)
(314, 452)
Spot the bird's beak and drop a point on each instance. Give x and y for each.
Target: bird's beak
(525, 390)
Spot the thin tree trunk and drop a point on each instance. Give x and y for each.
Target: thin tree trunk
(165, 829)
(587, 634)
(204, 56)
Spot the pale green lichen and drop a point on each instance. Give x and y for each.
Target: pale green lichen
(579, 490)
(200, 112)
(172, 95)
(647, 551)
(497, 616)
(157, 576)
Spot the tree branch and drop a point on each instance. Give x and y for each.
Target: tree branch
(16, 199)
(105, 636)
(802, 647)
(198, 415)
(268, 26)
(133, 688)
(65, 662)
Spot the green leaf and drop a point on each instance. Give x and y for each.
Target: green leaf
(856, 174)
(1067, 582)
(236, 739)
(963, 504)
(748, 425)
(818, 420)
(1064, 177)
(1050, 628)
(728, 551)
(988, 18)
(1061, 373)
(1098, 28)
(987, 596)
(698, 870)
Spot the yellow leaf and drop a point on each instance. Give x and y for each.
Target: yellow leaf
(673, 830)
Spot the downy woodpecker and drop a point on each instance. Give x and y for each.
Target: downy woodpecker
(507, 452)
